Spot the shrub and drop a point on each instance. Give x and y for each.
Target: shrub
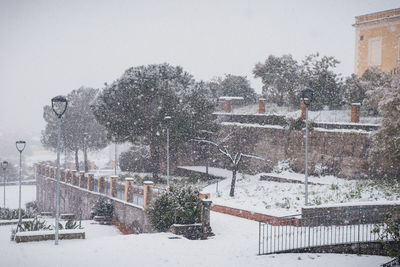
(390, 229)
(135, 161)
(102, 207)
(10, 214)
(34, 225)
(70, 224)
(175, 205)
(32, 207)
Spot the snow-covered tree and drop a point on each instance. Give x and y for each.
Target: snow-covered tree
(385, 146)
(375, 81)
(233, 85)
(80, 130)
(133, 107)
(353, 90)
(318, 74)
(280, 77)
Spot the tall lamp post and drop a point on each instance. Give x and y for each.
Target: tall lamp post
(167, 120)
(306, 96)
(59, 106)
(20, 145)
(4, 165)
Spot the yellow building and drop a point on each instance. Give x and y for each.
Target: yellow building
(377, 41)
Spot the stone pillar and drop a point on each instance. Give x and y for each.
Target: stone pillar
(128, 195)
(100, 185)
(355, 112)
(228, 105)
(73, 176)
(303, 110)
(261, 106)
(205, 217)
(147, 192)
(90, 182)
(113, 185)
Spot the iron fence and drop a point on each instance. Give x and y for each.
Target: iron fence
(289, 233)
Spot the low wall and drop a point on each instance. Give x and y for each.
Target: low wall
(347, 215)
(80, 201)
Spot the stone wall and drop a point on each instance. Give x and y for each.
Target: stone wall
(79, 201)
(347, 215)
(343, 153)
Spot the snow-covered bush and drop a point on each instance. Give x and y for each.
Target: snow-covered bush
(103, 207)
(10, 214)
(34, 225)
(175, 205)
(390, 229)
(135, 160)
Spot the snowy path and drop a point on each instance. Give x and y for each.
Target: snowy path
(235, 244)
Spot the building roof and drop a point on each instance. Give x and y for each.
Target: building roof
(378, 16)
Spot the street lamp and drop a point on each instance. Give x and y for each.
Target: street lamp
(306, 97)
(20, 145)
(4, 165)
(59, 105)
(167, 120)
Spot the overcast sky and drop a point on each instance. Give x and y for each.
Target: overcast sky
(49, 47)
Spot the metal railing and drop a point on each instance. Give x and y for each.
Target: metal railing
(290, 233)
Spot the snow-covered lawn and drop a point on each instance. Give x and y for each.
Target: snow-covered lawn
(28, 193)
(235, 244)
(280, 199)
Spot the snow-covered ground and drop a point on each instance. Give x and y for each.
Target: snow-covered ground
(235, 244)
(280, 199)
(28, 193)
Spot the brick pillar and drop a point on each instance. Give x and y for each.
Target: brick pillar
(80, 178)
(73, 176)
(355, 112)
(48, 171)
(205, 217)
(228, 105)
(128, 195)
(303, 110)
(147, 192)
(113, 185)
(51, 171)
(261, 106)
(61, 174)
(100, 185)
(71, 166)
(90, 182)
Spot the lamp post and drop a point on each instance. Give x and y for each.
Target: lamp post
(4, 165)
(59, 105)
(306, 97)
(167, 120)
(20, 145)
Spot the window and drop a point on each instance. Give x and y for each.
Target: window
(374, 51)
(361, 37)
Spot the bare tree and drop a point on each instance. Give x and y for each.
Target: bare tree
(233, 147)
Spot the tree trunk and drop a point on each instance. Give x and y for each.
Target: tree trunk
(76, 160)
(86, 160)
(232, 192)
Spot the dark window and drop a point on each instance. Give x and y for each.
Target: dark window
(361, 37)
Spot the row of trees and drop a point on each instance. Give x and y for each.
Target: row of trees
(283, 77)
(80, 129)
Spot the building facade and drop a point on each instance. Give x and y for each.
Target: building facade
(377, 41)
